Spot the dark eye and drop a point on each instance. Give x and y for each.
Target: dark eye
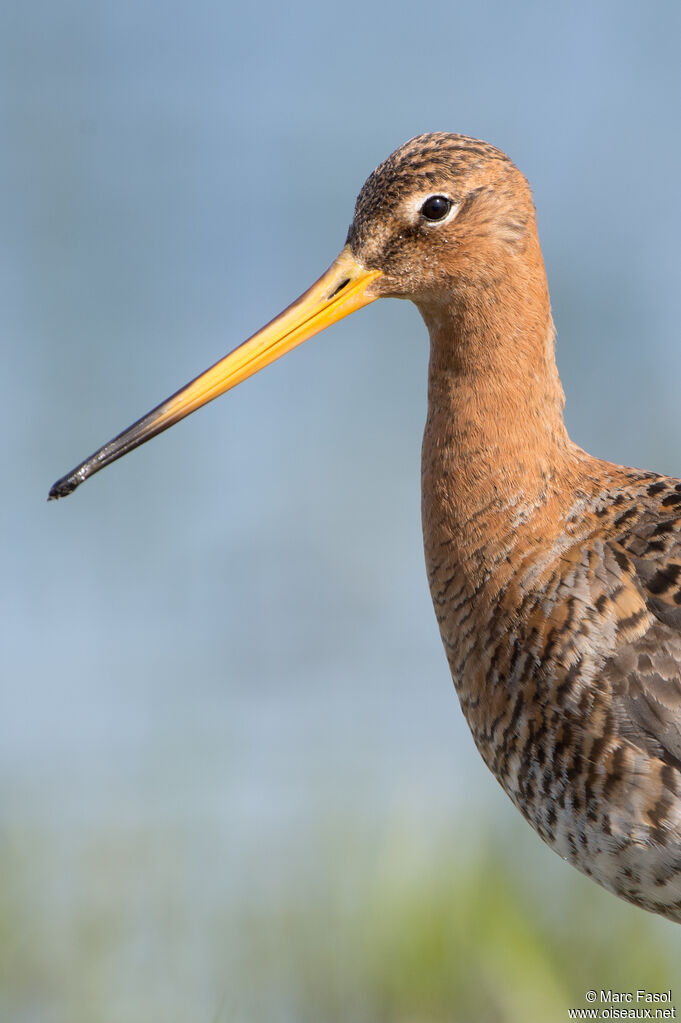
(436, 207)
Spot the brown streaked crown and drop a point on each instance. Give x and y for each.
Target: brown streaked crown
(495, 211)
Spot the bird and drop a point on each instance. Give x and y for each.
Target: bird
(555, 576)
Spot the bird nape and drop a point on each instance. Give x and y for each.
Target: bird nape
(555, 576)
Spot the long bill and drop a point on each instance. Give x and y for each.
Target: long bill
(344, 288)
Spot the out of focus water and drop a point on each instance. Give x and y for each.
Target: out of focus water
(219, 656)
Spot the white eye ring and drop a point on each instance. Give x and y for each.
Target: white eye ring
(418, 216)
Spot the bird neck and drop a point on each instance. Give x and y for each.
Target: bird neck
(495, 449)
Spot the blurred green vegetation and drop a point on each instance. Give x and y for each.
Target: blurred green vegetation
(406, 932)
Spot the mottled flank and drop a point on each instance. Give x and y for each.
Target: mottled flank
(556, 577)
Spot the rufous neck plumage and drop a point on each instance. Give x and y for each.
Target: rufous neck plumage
(495, 444)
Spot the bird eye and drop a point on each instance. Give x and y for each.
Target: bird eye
(436, 207)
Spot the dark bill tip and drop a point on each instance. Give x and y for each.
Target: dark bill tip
(63, 487)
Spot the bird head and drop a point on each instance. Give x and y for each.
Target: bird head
(435, 222)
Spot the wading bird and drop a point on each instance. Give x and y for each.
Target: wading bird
(556, 577)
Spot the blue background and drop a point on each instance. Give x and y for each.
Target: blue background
(222, 683)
